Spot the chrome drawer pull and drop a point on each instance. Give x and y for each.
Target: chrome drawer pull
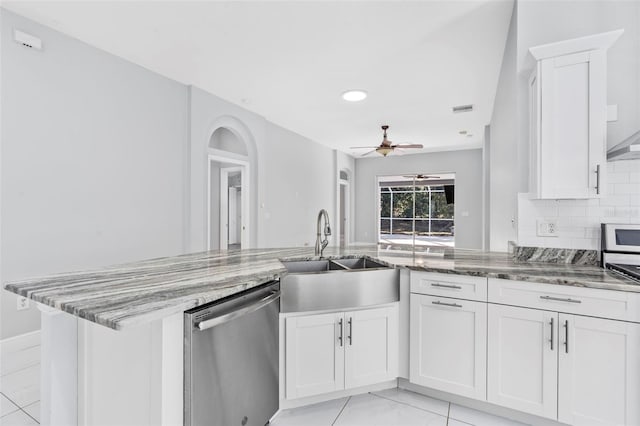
(551, 340)
(455, 305)
(560, 299)
(340, 336)
(598, 179)
(566, 336)
(457, 287)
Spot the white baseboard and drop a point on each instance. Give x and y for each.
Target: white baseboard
(285, 404)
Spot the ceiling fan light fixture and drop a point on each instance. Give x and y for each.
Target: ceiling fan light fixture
(384, 150)
(354, 95)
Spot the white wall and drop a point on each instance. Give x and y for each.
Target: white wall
(91, 167)
(503, 152)
(544, 22)
(466, 164)
(294, 176)
(297, 181)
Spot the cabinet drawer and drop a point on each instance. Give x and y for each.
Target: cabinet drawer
(612, 304)
(449, 285)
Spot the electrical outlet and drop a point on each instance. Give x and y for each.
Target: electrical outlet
(23, 303)
(547, 228)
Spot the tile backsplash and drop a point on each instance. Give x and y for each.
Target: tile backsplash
(579, 220)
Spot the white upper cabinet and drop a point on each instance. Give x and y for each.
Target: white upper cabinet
(568, 118)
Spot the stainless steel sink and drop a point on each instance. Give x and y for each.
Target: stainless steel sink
(359, 263)
(302, 266)
(313, 285)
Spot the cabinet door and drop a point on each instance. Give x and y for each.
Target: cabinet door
(573, 125)
(599, 371)
(448, 345)
(314, 354)
(523, 360)
(371, 346)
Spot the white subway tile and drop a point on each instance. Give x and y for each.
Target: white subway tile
(615, 200)
(618, 178)
(626, 188)
(634, 199)
(634, 177)
(626, 165)
(592, 232)
(572, 211)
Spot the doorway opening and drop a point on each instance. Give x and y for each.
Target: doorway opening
(228, 192)
(343, 208)
(416, 210)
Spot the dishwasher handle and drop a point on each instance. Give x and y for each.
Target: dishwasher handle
(212, 322)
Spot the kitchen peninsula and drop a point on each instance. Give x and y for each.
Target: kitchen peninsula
(115, 355)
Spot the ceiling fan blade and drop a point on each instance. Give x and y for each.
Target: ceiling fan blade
(367, 153)
(362, 147)
(411, 145)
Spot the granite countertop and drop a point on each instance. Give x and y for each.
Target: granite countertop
(125, 295)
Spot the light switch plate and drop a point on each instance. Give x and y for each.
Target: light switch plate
(547, 228)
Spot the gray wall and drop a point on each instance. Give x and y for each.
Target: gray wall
(466, 164)
(90, 168)
(503, 152)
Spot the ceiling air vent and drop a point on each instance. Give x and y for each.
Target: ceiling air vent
(462, 108)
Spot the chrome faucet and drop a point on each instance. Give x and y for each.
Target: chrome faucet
(321, 244)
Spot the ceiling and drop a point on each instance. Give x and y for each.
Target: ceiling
(291, 61)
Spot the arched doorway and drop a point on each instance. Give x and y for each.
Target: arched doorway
(229, 191)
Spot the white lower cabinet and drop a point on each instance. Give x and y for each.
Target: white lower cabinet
(341, 350)
(576, 369)
(522, 359)
(314, 358)
(598, 371)
(448, 344)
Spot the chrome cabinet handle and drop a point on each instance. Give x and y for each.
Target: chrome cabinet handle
(455, 305)
(566, 336)
(457, 287)
(551, 340)
(561, 299)
(350, 336)
(598, 179)
(340, 327)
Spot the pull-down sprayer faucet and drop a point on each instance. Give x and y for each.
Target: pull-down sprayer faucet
(321, 244)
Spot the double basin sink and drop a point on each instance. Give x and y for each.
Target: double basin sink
(341, 283)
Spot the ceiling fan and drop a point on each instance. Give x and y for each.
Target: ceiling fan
(386, 147)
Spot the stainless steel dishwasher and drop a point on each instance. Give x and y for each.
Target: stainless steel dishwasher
(231, 360)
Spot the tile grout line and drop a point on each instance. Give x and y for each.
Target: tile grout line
(30, 416)
(341, 410)
(409, 405)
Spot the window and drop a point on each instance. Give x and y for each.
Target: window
(417, 210)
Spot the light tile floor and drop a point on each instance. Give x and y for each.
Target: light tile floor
(392, 407)
(20, 383)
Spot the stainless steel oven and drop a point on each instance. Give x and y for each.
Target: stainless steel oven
(231, 360)
(621, 249)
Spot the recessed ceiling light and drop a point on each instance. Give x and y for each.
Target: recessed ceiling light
(463, 132)
(354, 95)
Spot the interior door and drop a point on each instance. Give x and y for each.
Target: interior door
(448, 345)
(314, 354)
(599, 371)
(371, 346)
(522, 367)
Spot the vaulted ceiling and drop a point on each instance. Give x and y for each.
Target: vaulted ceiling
(291, 61)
